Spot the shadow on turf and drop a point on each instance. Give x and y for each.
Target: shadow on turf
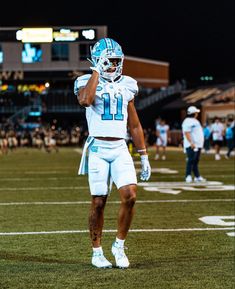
(86, 265)
(16, 257)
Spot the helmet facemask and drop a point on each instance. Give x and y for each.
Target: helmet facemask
(115, 70)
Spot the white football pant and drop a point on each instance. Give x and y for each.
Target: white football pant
(109, 159)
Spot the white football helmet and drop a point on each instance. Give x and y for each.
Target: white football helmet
(110, 49)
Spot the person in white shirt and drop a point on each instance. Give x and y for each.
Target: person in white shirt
(162, 134)
(217, 130)
(193, 141)
(108, 97)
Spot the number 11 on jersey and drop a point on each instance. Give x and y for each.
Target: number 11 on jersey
(107, 115)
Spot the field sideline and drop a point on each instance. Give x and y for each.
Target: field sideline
(182, 236)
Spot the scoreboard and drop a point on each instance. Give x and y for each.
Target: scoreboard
(48, 35)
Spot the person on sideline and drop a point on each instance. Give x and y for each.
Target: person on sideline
(108, 97)
(229, 137)
(162, 138)
(193, 140)
(207, 137)
(217, 130)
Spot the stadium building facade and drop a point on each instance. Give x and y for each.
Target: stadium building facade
(38, 67)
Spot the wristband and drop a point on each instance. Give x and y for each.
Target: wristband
(141, 150)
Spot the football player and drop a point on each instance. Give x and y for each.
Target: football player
(108, 97)
(163, 136)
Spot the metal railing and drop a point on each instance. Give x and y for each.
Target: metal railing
(160, 95)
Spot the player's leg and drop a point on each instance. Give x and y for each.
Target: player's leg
(126, 210)
(164, 144)
(189, 165)
(198, 178)
(98, 172)
(124, 176)
(217, 150)
(157, 149)
(96, 219)
(125, 216)
(196, 158)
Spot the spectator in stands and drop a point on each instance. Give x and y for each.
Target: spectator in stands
(50, 140)
(217, 130)
(12, 139)
(193, 140)
(207, 137)
(75, 135)
(163, 137)
(3, 142)
(229, 137)
(37, 140)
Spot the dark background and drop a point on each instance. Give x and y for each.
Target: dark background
(195, 37)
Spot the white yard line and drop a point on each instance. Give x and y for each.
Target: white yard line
(37, 179)
(116, 202)
(112, 231)
(75, 178)
(141, 184)
(43, 188)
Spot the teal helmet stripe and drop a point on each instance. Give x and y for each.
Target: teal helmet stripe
(108, 43)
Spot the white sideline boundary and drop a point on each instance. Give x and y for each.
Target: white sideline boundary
(115, 202)
(113, 231)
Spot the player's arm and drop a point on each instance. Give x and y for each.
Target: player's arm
(86, 94)
(189, 138)
(136, 129)
(137, 134)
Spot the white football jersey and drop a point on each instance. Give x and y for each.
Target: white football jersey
(107, 116)
(193, 126)
(162, 129)
(217, 131)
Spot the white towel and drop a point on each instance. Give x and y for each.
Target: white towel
(83, 167)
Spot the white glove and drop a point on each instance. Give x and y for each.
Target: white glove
(145, 168)
(102, 65)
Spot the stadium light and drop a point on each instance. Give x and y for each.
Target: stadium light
(206, 78)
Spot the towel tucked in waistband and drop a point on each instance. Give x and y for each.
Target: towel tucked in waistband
(83, 167)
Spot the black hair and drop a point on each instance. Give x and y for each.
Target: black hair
(192, 115)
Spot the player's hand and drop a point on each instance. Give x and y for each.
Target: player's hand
(102, 65)
(145, 168)
(192, 145)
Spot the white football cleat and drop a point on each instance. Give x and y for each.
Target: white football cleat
(98, 260)
(189, 179)
(199, 180)
(217, 157)
(120, 256)
(156, 157)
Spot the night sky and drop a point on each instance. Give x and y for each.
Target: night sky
(196, 37)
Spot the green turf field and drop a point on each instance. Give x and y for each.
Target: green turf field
(44, 242)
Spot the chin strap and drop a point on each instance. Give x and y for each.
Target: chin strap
(90, 60)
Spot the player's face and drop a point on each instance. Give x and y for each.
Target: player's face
(115, 63)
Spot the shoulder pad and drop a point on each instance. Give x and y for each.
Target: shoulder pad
(130, 83)
(80, 81)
